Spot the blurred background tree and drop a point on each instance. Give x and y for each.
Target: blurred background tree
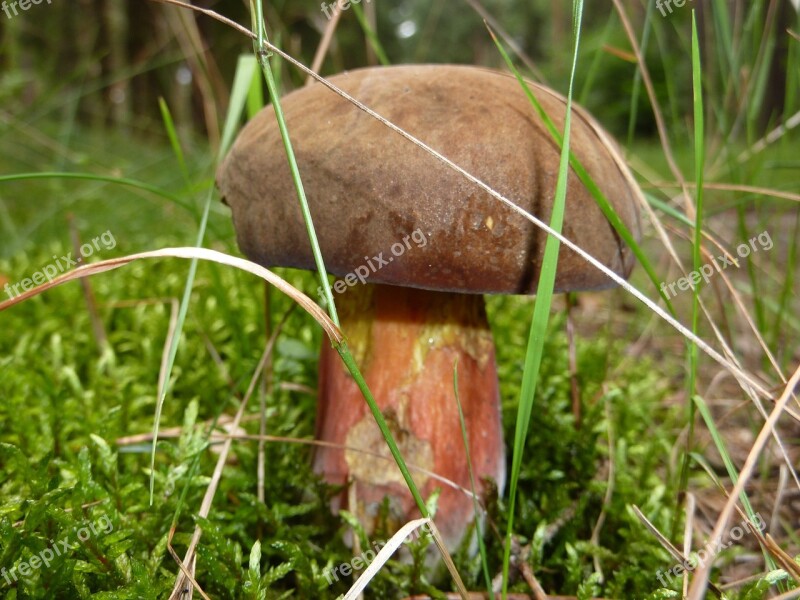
(107, 62)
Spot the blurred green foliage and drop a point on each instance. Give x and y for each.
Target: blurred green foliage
(107, 62)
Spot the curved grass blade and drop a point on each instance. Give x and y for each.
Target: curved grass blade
(195, 254)
(391, 546)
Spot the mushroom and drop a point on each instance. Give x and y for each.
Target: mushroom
(417, 245)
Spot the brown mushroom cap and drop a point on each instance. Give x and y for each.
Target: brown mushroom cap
(369, 188)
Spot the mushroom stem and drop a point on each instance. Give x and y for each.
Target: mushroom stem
(407, 342)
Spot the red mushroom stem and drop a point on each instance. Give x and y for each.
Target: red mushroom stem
(406, 342)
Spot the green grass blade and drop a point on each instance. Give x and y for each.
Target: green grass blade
(266, 68)
(246, 74)
(341, 348)
(175, 341)
(351, 365)
(699, 166)
(172, 134)
(724, 44)
(760, 90)
(719, 443)
(246, 90)
(594, 67)
(372, 37)
(665, 43)
(104, 178)
(255, 95)
(541, 313)
(637, 76)
(241, 84)
(586, 179)
(787, 290)
(668, 210)
(481, 545)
